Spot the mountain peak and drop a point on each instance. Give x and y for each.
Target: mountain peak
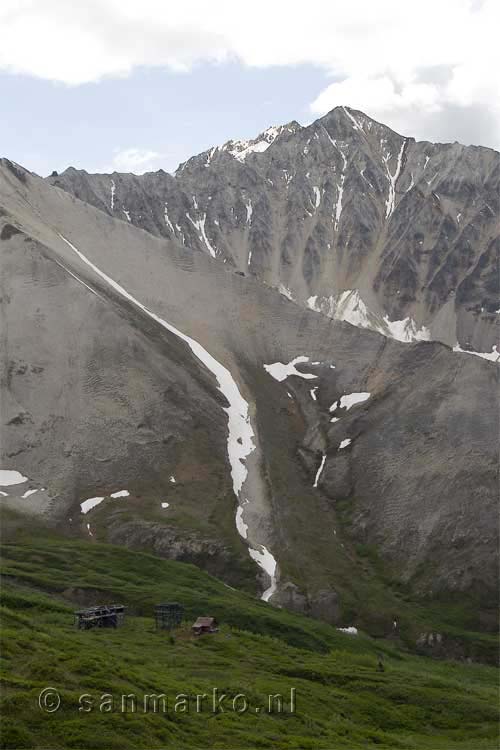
(240, 149)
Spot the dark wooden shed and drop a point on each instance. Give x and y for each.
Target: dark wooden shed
(102, 616)
(204, 625)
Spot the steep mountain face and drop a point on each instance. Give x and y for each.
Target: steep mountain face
(280, 449)
(344, 216)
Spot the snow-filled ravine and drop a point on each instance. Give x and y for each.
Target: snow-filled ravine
(240, 441)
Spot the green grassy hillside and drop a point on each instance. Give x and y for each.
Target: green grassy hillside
(342, 700)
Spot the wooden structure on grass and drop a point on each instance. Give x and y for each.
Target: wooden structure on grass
(102, 616)
(169, 615)
(204, 625)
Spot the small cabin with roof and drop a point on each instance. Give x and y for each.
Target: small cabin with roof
(204, 625)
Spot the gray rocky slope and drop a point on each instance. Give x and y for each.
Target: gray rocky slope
(130, 362)
(344, 216)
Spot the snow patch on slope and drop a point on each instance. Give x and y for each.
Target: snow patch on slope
(9, 477)
(349, 400)
(493, 356)
(90, 503)
(266, 561)
(241, 149)
(282, 289)
(280, 371)
(199, 225)
(349, 307)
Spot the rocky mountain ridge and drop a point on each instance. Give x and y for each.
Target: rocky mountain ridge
(344, 216)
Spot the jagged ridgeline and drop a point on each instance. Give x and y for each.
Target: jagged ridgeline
(344, 216)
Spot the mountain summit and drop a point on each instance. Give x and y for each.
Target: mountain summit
(343, 216)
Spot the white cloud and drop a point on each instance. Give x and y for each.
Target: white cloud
(136, 160)
(428, 68)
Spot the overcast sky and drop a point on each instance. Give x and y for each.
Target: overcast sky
(134, 85)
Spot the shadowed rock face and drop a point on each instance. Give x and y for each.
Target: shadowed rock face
(368, 443)
(343, 204)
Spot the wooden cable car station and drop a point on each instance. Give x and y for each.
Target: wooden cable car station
(102, 616)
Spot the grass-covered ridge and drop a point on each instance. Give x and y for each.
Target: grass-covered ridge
(343, 700)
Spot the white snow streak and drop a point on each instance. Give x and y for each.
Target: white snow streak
(393, 178)
(210, 155)
(355, 123)
(344, 444)
(317, 196)
(350, 630)
(249, 209)
(167, 220)
(200, 226)
(113, 191)
(320, 470)
(240, 523)
(28, 493)
(120, 493)
(313, 393)
(493, 356)
(338, 207)
(267, 562)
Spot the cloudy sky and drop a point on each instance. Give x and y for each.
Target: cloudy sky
(134, 85)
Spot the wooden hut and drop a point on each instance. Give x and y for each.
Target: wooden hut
(204, 625)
